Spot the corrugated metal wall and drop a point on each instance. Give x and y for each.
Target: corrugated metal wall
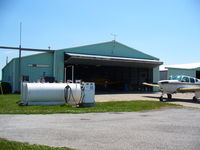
(176, 71)
(33, 66)
(188, 72)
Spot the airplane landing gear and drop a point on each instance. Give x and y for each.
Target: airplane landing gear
(194, 99)
(161, 98)
(169, 96)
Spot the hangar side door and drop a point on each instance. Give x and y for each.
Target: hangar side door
(198, 74)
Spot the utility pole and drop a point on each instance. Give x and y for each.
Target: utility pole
(20, 54)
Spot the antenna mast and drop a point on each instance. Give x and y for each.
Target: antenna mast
(6, 60)
(114, 36)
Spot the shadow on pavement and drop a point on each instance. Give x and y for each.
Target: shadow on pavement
(176, 100)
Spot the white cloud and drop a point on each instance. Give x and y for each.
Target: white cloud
(8, 52)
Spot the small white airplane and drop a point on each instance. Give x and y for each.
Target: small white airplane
(178, 84)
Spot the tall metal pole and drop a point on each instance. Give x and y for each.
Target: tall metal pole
(65, 74)
(72, 73)
(20, 51)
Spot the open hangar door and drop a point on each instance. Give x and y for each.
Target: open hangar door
(198, 74)
(109, 73)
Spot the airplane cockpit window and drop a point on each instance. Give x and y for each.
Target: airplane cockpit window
(185, 79)
(177, 77)
(192, 80)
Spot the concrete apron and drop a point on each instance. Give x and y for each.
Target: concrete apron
(182, 99)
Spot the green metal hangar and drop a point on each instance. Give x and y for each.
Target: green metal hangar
(192, 69)
(111, 65)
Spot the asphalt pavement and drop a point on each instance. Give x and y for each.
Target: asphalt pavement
(166, 129)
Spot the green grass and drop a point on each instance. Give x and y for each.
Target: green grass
(11, 145)
(9, 105)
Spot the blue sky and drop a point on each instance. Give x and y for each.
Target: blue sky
(167, 29)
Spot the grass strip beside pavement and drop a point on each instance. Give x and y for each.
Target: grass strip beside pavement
(8, 105)
(11, 145)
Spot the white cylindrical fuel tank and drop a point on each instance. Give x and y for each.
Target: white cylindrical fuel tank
(50, 93)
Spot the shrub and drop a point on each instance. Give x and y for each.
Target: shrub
(6, 88)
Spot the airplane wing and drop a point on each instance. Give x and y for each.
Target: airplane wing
(188, 89)
(152, 85)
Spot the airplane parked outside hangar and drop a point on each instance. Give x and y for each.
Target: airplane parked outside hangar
(178, 84)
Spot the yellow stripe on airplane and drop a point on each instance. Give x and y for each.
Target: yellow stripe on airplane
(188, 89)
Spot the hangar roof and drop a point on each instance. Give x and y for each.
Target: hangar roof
(111, 48)
(181, 66)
